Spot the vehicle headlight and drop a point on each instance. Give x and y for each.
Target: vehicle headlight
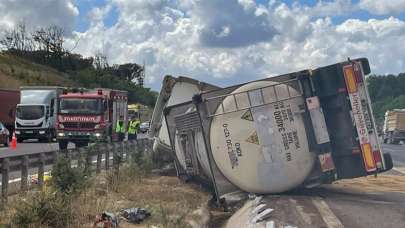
(98, 134)
(61, 134)
(97, 126)
(41, 132)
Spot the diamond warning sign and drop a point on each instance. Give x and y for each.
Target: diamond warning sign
(253, 138)
(247, 115)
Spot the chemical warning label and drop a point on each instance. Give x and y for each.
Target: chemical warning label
(253, 138)
(247, 115)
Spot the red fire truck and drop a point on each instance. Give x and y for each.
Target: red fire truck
(90, 116)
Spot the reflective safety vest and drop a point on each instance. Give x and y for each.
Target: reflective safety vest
(120, 127)
(133, 127)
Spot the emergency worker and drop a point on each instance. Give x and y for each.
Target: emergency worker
(133, 127)
(120, 130)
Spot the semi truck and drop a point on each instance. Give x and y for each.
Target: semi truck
(90, 116)
(394, 126)
(8, 103)
(36, 113)
(300, 129)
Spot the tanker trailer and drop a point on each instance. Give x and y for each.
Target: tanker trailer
(174, 91)
(269, 136)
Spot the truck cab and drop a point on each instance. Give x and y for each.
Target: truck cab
(89, 116)
(36, 113)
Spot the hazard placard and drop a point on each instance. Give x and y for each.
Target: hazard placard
(247, 115)
(253, 138)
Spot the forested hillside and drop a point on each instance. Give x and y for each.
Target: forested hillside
(386, 92)
(39, 58)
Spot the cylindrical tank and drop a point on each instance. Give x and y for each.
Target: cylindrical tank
(263, 149)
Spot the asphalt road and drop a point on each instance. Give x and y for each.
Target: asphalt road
(355, 203)
(33, 146)
(30, 147)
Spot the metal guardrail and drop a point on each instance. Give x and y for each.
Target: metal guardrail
(83, 156)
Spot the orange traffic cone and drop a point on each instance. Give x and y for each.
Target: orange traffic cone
(13, 142)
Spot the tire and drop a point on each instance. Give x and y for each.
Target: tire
(385, 141)
(63, 145)
(20, 140)
(6, 144)
(388, 161)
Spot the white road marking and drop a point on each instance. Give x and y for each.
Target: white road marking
(400, 170)
(305, 216)
(327, 215)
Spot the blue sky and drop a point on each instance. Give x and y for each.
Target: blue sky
(223, 41)
(85, 6)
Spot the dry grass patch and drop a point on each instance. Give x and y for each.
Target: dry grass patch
(170, 201)
(381, 183)
(15, 71)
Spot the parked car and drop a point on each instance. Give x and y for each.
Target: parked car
(4, 135)
(144, 127)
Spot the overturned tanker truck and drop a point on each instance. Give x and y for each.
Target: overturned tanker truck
(300, 129)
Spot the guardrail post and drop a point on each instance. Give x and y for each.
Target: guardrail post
(24, 173)
(116, 159)
(80, 153)
(107, 157)
(41, 170)
(130, 150)
(99, 155)
(124, 150)
(88, 154)
(5, 169)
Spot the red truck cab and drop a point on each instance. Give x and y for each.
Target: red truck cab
(90, 116)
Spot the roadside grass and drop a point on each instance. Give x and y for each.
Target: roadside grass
(15, 72)
(170, 201)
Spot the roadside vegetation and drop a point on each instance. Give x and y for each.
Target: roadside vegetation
(39, 57)
(73, 198)
(386, 93)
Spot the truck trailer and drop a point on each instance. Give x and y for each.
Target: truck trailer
(8, 103)
(90, 116)
(299, 129)
(174, 91)
(36, 113)
(394, 126)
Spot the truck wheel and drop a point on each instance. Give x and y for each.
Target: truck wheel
(388, 161)
(63, 145)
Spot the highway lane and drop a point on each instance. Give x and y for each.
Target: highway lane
(30, 147)
(33, 146)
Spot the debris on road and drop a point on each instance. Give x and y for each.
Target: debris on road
(106, 220)
(136, 215)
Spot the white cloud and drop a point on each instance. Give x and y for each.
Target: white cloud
(248, 41)
(383, 7)
(197, 38)
(38, 13)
